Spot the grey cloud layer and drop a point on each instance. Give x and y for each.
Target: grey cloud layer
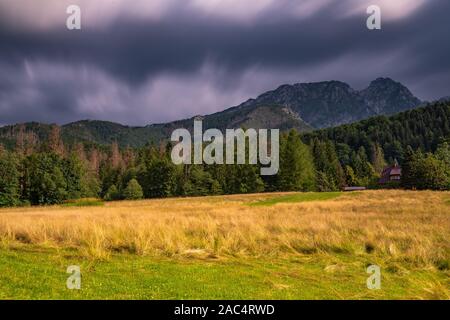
(139, 71)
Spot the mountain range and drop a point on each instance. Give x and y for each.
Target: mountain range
(303, 106)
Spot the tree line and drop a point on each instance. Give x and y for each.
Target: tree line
(49, 172)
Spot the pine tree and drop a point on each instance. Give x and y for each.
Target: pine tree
(351, 178)
(409, 169)
(323, 182)
(80, 152)
(116, 157)
(55, 143)
(112, 193)
(433, 174)
(297, 171)
(133, 191)
(362, 167)
(158, 178)
(94, 161)
(201, 183)
(443, 153)
(377, 159)
(20, 140)
(129, 157)
(249, 180)
(46, 183)
(31, 143)
(329, 170)
(74, 174)
(9, 180)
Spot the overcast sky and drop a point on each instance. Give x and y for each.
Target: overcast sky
(147, 61)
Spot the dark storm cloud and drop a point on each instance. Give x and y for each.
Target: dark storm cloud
(133, 67)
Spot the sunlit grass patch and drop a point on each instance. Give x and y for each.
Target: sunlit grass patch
(298, 197)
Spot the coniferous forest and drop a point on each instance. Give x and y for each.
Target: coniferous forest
(39, 172)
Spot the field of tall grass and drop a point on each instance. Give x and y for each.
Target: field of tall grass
(404, 230)
(414, 226)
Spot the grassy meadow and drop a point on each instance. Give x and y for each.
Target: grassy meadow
(259, 246)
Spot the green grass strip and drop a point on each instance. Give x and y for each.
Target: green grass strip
(298, 197)
(84, 203)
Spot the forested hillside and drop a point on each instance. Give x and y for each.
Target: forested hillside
(105, 133)
(423, 128)
(44, 170)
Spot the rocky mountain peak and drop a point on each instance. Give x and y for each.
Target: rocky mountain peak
(386, 96)
(332, 103)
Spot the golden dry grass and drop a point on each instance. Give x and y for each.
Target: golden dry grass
(403, 225)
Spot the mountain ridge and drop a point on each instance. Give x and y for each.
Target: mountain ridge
(301, 106)
(331, 103)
